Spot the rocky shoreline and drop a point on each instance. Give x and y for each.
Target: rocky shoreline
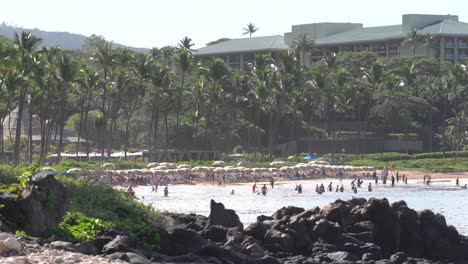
(352, 231)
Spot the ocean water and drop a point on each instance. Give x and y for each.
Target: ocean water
(441, 197)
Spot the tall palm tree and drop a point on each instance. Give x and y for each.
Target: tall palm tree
(89, 82)
(250, 29)
(186, 44)
(215, 73)
(26, 45)
(413, 38)
(302, 45)
(430, 42)
(104, 56)
(184, 63)
(66, 74)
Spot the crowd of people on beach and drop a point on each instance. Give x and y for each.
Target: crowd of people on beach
(387, 173)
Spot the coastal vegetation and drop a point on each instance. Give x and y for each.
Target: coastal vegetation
(166, 99)
(92, 208)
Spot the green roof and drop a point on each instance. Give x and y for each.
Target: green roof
(364, 35)
(267, 43)
(446, 27)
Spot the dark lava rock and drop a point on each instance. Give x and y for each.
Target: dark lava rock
(41, 207)
(398, 258)
(223, 217)
(86, 248)
(327, 231)
(257, 230)
(184, 241)
(215, 233)
(341, 256)
(287, 211)
(118, 244)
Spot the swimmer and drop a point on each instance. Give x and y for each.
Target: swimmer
(341, 188)
(355, 190)
(464, 187)
(299, 188)
(330, 187)
(264, 189)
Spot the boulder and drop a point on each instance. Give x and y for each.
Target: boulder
(62, 245)
(184, 241)
(100, 241)
(410, 236)
(42, 205)
(387, 234)
(327, 231)
(223, 217)
(398, 258)
(339, 212)
(10, 244)
(4, 227)
(262, 218)
(215, 233)
(136, 259)
(289, 211)
(118, 244)
(306, 213)
(341, 256)
(86, 248)
(256, 230)
(254, 250)
(284, 241)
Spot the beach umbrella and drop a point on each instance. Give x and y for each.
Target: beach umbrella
(218, 170)
(152, 165)
(108, 166)
(218, 163)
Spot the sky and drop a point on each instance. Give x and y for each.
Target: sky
(157, 23)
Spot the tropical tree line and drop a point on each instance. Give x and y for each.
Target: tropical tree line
(166, 99)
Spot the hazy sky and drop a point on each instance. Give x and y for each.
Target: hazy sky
(156, 23)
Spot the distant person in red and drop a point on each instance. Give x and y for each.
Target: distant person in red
(254, 187)
(393, 167)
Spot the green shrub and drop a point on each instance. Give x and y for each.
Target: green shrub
(77, 227)
(116, 207)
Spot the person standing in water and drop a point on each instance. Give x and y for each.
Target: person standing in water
(264, 189)
(232, 192)
(299, 188)
(457, 181)
(166, 191)
(254, 188)
(369, 188)
(393, 180)
(272, 182)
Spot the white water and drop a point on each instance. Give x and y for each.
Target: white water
(441, 197)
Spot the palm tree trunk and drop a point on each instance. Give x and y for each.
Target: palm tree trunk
(19, 119)
(85, 124)
(30, 134)
(80, 125)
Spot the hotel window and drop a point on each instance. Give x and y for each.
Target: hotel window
(449, 43)
(363, 47)
(234, 58)
(393, 45)
(379, 47)
(449, 54)
(463, 54)
(347, 48)
(462, 43)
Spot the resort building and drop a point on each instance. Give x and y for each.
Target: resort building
(449, 41)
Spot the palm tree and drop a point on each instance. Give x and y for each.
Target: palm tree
(302, 45)
(104, 56)
(26, 45)
(250, 29)
(186, 44)
(183, 62)
(66, 74)
(413, 38)
(429, 42)
(215, 73)
(89, 81)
